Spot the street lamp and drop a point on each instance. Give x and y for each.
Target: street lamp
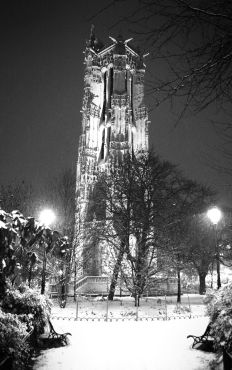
(214, 214)
(46, 217)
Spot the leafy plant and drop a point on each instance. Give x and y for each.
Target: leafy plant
(12, 341)
(219, 307)
(32, 307)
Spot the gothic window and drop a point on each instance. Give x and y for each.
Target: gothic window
(119, 82)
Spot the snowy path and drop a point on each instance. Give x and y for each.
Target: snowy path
(156, 345)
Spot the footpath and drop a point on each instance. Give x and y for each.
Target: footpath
(137, 345)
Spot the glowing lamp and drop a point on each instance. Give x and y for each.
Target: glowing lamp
(47, 217)
(215, 215)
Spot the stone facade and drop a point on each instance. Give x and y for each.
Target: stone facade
(114, 122)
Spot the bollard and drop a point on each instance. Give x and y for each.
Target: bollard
(166, 308)
(107, 300)
(107, 308)
(137, 308)
(77, 307)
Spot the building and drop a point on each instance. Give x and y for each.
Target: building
(114, 122)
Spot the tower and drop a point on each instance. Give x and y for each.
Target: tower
(114, 122)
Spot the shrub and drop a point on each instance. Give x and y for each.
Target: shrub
(31, 307)
(12, 341)
(219, 307)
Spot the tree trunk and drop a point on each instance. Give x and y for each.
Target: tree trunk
(178, 286)
(218, 272)
(202, 287)
(137, 300)
(43, 280)
(115, 275)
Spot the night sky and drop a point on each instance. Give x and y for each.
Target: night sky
(41, 89)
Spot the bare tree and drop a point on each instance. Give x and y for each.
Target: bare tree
(191, 199)
(200, 243)
(193, 39)
(147, 201)
(190, 45)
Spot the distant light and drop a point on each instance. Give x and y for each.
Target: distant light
(47, 217)
(215, 215)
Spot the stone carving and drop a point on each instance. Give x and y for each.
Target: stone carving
(120, 101)
(140, 113)
(122, 145)
(120, 62)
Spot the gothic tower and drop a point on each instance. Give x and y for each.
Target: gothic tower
(114, 122)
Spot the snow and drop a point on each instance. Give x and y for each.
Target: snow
(2, 225)
(128, 344)
(142, 345)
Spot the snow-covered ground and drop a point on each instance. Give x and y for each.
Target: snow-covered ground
(123, 308)
(125, 345)
(128, 344)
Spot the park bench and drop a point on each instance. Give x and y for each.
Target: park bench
(63, 338)
(52, 338)
(205, 339)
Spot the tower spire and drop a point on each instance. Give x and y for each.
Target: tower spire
(92, 33)
(93, 42)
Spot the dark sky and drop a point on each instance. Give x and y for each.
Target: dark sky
(41, 88)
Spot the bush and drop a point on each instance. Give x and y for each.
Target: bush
(12, 341)
(219, 307)
(31, 307)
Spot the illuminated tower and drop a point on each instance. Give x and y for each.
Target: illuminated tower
(114, 122)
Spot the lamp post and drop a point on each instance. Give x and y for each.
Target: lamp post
(214, 214)
(46, 217)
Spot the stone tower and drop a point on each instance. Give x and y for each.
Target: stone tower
(114, 122)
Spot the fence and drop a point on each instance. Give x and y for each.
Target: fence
(120, 309)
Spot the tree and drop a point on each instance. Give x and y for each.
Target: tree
(147, 200)
(19, 238)
(189, 42)
(193, 39)
(191, 199)
(200, 244)
(59, 194)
